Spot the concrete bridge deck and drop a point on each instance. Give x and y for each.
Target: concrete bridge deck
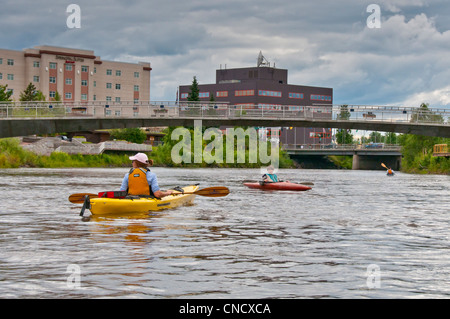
(19, 119)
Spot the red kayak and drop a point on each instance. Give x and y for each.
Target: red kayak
(280, 186)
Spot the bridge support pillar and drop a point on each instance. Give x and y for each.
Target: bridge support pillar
(374, 162)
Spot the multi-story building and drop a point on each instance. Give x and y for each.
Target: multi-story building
(77, 75)
(267, 87)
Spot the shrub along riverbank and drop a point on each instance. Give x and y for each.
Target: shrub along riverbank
(417, 151)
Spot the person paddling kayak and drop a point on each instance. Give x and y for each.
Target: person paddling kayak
(140, 180)
(270, 177)
(390, 172)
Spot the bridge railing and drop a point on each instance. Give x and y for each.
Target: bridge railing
(146, 109)
(343, 147)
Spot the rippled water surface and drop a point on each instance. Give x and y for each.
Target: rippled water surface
(356, 234)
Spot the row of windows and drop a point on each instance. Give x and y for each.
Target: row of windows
(69, 67)
(269, 93)
(320, 97)
(319, 135)
(261, 93)
(36, 64)
(8, 76)
(68, 81)
(9, 61)
(84, 97)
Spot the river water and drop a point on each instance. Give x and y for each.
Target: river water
(356, 234)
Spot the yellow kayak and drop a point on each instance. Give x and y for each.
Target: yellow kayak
(103, 206)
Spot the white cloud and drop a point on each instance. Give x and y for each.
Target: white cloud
(435, 98)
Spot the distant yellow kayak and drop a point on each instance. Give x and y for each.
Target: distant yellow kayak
(103, 206)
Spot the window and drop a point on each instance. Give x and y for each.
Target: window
(1, 60)
(269, 106)
(36, 64)
(84, 83)
(10, 61)
(117, 112)
(109, 85)
(84, 68)
(69, 81)
(203, 94)
(253, 74)
(245, 105)
(11, 77)
(95, 69)
(317, 97)
(94, 97)
(117, 99)
(108, 72)
(95, 83)
(269, 93)
(319, 134)
(36, 78)
(296, 95)
(84, 97)
(52, 65)
(118, 73)
(136, 74)
(68, 95)
(117, 86)
(68, 67)
(136, 88)
(52, 79)
(244, 93)
(108, 98)
(1, 76)
(222, 94)
(52, 94)
(184, 95)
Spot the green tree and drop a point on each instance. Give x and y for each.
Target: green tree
(193, 95)
(5, 95)
(344, 136)
(424, 114)
(57, 97)
(29, 94)
(133, 135)
(375, 137)
(417, 152)
(390, 138)
(39, 96)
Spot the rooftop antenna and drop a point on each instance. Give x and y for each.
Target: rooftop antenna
(262, 61)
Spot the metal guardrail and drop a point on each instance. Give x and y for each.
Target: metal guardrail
(344, 147)
(146, 109)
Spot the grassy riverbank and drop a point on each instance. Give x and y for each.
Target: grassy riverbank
(12, 155)
(417, 158)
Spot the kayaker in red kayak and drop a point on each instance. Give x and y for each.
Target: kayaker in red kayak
(140, 181)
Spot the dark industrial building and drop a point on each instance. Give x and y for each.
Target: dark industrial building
(267, 87)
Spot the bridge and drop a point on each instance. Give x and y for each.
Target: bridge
(365, 156)
(28, 118)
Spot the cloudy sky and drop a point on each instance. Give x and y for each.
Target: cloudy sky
(406, 61)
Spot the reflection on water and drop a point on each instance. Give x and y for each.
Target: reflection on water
(258, 244)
